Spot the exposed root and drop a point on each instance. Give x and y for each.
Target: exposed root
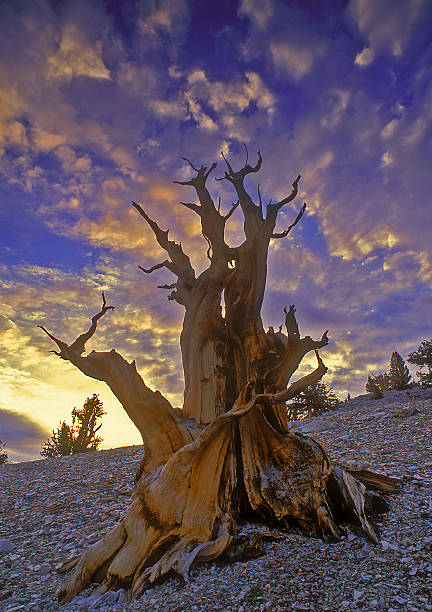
(183, 512)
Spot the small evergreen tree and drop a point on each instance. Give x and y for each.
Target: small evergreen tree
(312, 401)
(398, 373)
(382, 381)
(3, 454)
(372, 387)
(422, 357)
(79, 437)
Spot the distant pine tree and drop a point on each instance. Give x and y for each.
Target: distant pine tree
(79, 437)
(312, 401)
(3, 454)
(372, 387)
(383, 381)
(422, 357)
(398, 373)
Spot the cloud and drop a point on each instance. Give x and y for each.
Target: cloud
(292, 59)
(75, 57)
(258, 11)
(365, 57)
(97, 108)
(22, 435)
(387, 24)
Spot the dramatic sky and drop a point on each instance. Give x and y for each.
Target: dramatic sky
(99, 101)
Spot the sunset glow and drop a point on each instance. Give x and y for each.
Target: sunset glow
(100, 100)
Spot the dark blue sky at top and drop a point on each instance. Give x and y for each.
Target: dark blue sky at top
(100, 100)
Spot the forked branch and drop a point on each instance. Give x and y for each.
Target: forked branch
(249, 399)
(297, 219)
(180, 264)
(202, 174)
(238, 177)
(77, 347)
(273, 209)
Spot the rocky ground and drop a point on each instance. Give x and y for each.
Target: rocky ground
(51, 509)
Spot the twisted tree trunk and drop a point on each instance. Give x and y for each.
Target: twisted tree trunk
(231, 452)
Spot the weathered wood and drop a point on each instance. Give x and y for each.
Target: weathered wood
(229, 452)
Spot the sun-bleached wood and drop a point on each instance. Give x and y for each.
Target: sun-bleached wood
(229, 453)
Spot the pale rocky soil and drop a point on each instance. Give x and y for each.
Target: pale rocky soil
(51, 509)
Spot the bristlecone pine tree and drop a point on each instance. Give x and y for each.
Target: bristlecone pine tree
(80, 437)
(422, 357)
(230, 453)
(399, 375)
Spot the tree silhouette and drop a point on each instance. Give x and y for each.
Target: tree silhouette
(230, 452)
(422, 357)
(3, 454)
(79, 437)
(399, 375)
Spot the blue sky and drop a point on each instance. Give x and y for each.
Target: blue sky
(98, 103)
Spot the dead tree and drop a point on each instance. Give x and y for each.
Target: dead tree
(230, 453)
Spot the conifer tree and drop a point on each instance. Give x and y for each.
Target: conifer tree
(312, 401)
(422, 357)
(398, 374)
(79, 437)
(3, 454)
(372, 387)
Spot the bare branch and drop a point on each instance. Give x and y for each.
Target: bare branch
(161, 235)
(249, 399)
(230, 212)
(238, 177)
(191, 164)
(189, 182)
(247, 153)
(62, 345)
(296, 387)
(273, 209)
(180, 263)
(291, 323)
(77, 347)
(310, 344)
(172, 286)
(252, 213)
(155, 267)
(212, 167)
(297, 219)
(194, 207)
(230, 170)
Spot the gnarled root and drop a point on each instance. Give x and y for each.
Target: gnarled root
(185, 510)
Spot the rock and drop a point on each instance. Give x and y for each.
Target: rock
(44, 569)
(6, 546)
(295, 569)
(357, 594)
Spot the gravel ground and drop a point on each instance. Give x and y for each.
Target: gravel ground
(51, 509)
